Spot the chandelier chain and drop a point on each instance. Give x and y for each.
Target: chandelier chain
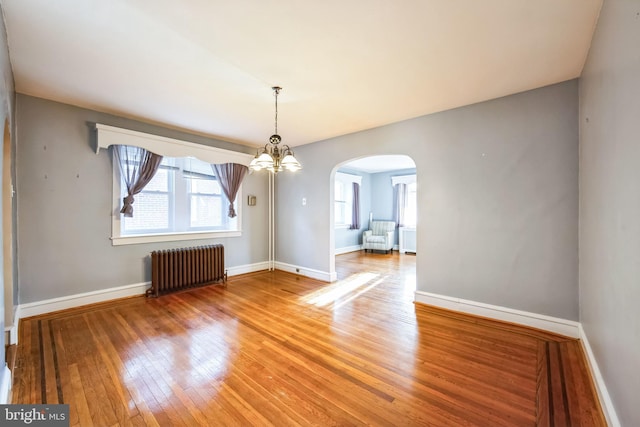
(276, 90)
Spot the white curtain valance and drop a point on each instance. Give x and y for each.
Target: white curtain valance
(347, 177)
(167, 147)
(403, 179)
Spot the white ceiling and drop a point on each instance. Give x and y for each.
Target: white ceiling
(207, 66)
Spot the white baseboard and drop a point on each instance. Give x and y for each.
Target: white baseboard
(102, 295)
(12, 331)
(564, 327)
(347, 249)
(70, 301)
(5, 386)
(601, 388)
(307, 272)
(247, 268)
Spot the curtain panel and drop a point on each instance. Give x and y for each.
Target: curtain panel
(137, 167)
(400, 203)
(230, 176)
(355, 208)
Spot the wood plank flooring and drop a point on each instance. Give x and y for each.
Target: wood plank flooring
(273, 348)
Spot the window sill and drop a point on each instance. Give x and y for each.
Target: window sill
(171, 237)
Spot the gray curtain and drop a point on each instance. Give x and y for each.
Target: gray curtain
(355, 209)
(137, 166)
(400, 203)
(230, 176)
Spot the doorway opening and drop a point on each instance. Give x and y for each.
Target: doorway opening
(386, 187)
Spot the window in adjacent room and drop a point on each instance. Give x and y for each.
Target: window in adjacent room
(405, 200)
(343, 198)
(411, 209)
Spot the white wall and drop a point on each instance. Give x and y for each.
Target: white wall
(610, 203)
(498, 199)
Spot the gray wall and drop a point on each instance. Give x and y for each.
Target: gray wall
(610, 203)
(7, 108)
(64, 206)
(498, 200)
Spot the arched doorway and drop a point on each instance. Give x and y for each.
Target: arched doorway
(7, 234)
(376, 176)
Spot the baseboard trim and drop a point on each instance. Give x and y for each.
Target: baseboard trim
(556, 325)
(601, 388)
(5, 386)
(11, 332)
(307, 272)
(347, 249)
(247, 268)
(70, 301)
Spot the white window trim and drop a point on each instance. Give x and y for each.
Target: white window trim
(346, 178)
(403, 179)
(109, 135)
(134, 239)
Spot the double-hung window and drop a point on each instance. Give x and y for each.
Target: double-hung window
(409, 209)
(343, 198)
(184, 200)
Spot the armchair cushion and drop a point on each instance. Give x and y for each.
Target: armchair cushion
(380, 236)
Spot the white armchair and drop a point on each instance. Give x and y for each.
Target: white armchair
(380, 237)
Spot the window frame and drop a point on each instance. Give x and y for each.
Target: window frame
(347, 179)
(410, 179)
(168, 147)
(118, 239)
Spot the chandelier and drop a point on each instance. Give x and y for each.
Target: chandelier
(273, 157)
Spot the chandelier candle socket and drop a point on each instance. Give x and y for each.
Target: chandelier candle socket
(272, 157)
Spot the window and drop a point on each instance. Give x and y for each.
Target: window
(412, 203)
(407, 213)
(183, 201)
(343, 198)
(342, 205)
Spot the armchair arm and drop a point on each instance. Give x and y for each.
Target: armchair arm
(389, 236)
(367, 233)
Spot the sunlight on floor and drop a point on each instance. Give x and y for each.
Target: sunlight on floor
(409, 287)
(333, 292)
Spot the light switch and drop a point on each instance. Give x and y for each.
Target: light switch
(304, 201)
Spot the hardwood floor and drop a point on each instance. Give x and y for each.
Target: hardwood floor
(274, 348)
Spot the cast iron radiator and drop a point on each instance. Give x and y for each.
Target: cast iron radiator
(177, 269)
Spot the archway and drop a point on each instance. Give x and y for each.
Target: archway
(375, 175)
(7, 233)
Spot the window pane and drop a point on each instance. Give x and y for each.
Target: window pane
(411, 209)
(159, 182)
(206, 211)
(339, 191)
(204, 186)
(150, 212)
(340, 213)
